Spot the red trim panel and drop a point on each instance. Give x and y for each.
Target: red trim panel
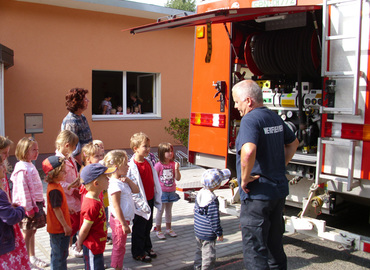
(219, 16)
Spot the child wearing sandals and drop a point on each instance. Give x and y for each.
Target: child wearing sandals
(142, 172)
(168, 171)
(13, 252)
(28, 192)
(58, 220)
(121, 204)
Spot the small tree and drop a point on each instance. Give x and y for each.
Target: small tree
(179, 129)
(188, 5)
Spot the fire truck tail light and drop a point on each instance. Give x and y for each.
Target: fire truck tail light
(208, 119)
(347, 131)
(327, 129)
(191, 157)
(352, 131)
(366, 247)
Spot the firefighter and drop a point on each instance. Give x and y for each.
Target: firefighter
(264, 147)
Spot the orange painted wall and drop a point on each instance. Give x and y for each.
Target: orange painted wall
(56, 49)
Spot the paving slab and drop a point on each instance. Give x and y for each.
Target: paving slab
(174, 252)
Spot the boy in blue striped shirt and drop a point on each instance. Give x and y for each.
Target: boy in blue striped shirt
(207, 225)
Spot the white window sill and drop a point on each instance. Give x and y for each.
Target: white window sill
(149, 116)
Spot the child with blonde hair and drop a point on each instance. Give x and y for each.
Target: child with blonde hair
(13, 252)
(168, 171)
(65, 144)
(27, 192)
(58, 219)
(5, 145)
(121, 204)
(100, 144)
(91, 154)
(105, 199)
(142, 172)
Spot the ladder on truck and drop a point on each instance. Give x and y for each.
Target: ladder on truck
(352, 75)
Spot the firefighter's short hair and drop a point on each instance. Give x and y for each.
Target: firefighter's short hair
(248, 88)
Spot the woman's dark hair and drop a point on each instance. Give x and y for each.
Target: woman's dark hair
(75, 99)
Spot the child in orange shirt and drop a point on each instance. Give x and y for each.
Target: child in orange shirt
(58, 219)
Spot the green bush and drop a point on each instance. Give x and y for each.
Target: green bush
(188, 5)
(179, 129)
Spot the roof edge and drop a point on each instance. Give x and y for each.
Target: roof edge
(121, 7)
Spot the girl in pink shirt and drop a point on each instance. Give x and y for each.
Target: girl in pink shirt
(28, 192)
(168, 171)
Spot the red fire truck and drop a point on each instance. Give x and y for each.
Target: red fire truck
(311, 59)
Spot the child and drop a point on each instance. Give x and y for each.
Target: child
(104, 196)
(119, 110)
(93, 232)
(91, 153)
(141, 171)
(27, 192)
(58, 219)
(207, 225)
(5, 145)
(168, 171)
(13, 252)
(136, 110)
(65, 144)
(121, 204)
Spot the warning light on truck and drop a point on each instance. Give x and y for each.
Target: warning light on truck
(208, 119)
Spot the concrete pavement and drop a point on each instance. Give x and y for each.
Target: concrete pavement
(303, 252)
(173, 253)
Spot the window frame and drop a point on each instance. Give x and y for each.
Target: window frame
(144, 116)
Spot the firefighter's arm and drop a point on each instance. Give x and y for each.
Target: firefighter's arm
(290, 149)
(247, 159)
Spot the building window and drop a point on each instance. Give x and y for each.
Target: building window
(131, 95)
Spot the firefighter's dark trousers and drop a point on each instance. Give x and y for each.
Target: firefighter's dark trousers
(262, 227)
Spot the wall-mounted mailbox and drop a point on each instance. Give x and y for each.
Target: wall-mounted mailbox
(33, 123)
